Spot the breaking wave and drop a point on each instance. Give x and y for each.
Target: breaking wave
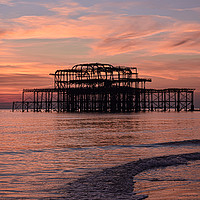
(117, 182)
(175, 143)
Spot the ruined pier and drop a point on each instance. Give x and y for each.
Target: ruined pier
(97, 87)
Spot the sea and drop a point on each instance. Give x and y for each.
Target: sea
(42, 154)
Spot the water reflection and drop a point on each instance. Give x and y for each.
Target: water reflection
(104, 130)
(40, 152)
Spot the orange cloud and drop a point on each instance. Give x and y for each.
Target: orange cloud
(153, 38)
(171, 67)
(149, 35)
(90, 26)
(16, 76)
(116, 34)
(5, 98)
(27, 68)
(159, 46)
(2, 32)
(28, 27)
(14, 83)
(6, 2)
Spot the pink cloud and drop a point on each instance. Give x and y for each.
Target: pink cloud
(153, 37)
(168, 67)
(41, 27)
(90, 26)
(196, 9)
(66, 8)
(115, 34)
(159, 46)
(6, 2)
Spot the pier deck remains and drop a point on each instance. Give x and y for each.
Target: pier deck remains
(97, 87)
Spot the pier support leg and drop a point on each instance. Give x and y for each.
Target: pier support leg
(152, 101)
(192, 101)
(13, 106)
(23, 101)
(165, 102)
(137, 101)
(58, 101)
(34, 101)
(178, 103)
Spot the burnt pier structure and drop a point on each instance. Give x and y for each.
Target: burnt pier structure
(97, 87)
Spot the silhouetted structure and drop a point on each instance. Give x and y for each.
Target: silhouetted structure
(97, 87)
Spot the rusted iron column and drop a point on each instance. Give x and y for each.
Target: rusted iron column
(51, 101)
(119, 101)
(72, 102)
(178, 102)
(186, 101)
(27, 106)
(95, 103)
(41, 101)
(64, 103)
(144, 100)
(58, 101)
(23, 101)
(86, 102)
(124, 102)
(192, 100)
(46, 102)
(165, 101)
(34, 101)
(137, 100)
(152, 101)
(48, 98)
(175, 103)
(13, 106)
(169, 96)
(105, 102)
(37, 102)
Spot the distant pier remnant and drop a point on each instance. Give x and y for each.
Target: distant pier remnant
(97, 87)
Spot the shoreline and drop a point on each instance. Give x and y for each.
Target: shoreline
(116, 183)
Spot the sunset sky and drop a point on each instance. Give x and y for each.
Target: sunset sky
(160, 37)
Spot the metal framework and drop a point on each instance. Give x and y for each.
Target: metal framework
(97, 87)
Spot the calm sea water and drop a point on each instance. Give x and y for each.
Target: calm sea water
(41, 152)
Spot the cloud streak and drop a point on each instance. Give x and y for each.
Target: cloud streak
(195, 9)
(115, 34)
(14, 83)
(175, 37)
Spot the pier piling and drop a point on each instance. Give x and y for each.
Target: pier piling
(97, 87)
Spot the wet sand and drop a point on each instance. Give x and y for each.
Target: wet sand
(173, 182)
(117, 182)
